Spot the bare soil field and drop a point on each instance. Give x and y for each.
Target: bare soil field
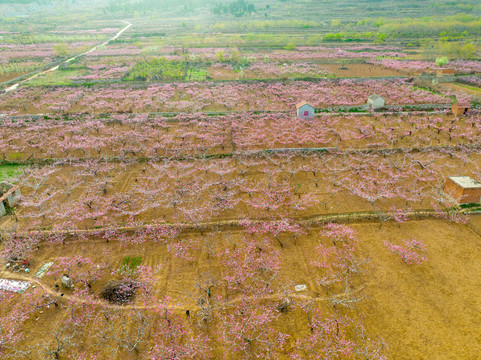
(462, 88)
(427, 311)
(347, 70)
(10, 76)
(92, 194)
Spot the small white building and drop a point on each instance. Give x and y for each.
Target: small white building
(375, 102)
(305, 110)
(66, 281)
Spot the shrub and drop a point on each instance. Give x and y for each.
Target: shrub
(442, 61)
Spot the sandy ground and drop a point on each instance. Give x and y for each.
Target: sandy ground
(461, 88)
(428, 311)
(10, 76)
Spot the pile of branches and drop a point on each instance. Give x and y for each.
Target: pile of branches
(119, 292)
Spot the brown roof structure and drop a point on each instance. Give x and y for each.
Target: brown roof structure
(302, 103)
(461, 108)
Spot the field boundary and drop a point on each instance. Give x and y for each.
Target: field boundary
(421, 109)
(326, 150)
(313, 221)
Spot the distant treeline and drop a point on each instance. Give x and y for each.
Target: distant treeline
(115, 6)
(237, 8)
(452, 26)
(40, 2)
(17, 1)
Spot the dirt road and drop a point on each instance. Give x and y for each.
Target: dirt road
(15, 86)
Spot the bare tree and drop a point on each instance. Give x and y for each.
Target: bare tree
(123, 329)
(203, 296)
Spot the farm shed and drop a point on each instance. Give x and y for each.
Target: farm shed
(463, 189)
(440, 72)
(305, 110)
(375, 102)
(461, 108)
(9, 196)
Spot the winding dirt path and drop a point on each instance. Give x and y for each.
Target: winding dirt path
(15, 86)
(78, 300)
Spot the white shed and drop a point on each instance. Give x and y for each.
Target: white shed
(305, 110)
(375, 102)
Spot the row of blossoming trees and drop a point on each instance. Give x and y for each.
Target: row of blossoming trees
(142, 136)
(266, 185)
(201, 96)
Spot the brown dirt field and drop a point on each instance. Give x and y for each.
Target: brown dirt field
(10, 76)
(461, 88)
(428, 311)
(360, 70)
(351, 70)
(122, 182)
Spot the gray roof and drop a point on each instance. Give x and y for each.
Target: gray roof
(466, 182)
(375, 97)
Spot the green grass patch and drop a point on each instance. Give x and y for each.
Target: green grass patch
(196, 74)
(157, 69)
(59, 78)
(15, 156)
(162, 69)
(471, 206)
(130, 264)
(10, 172)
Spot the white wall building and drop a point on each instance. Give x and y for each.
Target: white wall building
(305, 110)
(375, 102)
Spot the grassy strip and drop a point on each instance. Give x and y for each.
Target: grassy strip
(8, 172)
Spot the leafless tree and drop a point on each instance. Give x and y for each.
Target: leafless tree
(202, 295)
(123, 329)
